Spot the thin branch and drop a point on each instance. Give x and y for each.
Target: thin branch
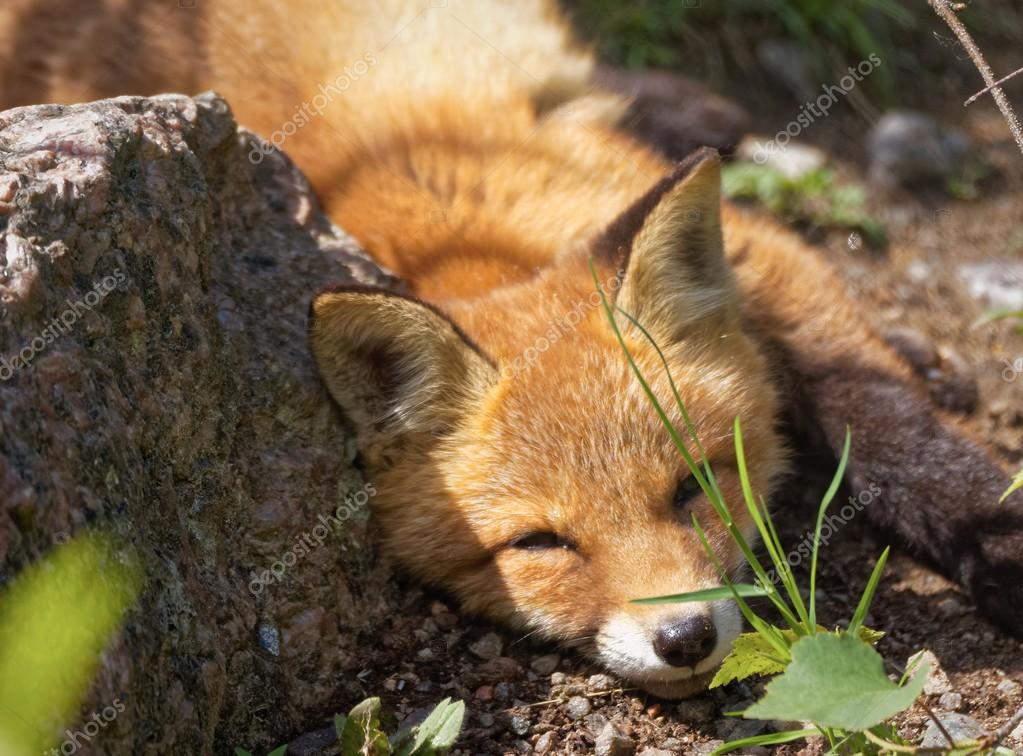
(1005, 730)
(998, 83)
(947, 14)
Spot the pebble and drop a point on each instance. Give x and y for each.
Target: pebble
(425, 654)
(558, 678)
(545, 743)
(519, 724)
(733, 728)
(599, 682)
(501, 668)
(488, 647)
(486, 719)
(612, 742)
(578, 707)
(595, 723)
(1017, 733)
(704, 749)
(503, 691)
(937, 681)
(959, 726)
(545, 665)
(1009, 688)
(655, 752)
(996, 284)
(697, 710)
(485, 692)
(907, 147)
(950, 701)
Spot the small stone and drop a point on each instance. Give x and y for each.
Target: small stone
(995, 284)
(270, 639)
(731, 728)
(612, 742)
(546, 664)
(599, 683)
(558, 678)
(486, 719)
(959, 726)
(501, 668)
(705, 749)
(545, 743)
(952, 607)
(697, 710)
(937, 681)
(425, 654)
(503, 691)
(950, 701)
(595, 723)
(1017, 734)
(488, 647)
(907, 148)
(1009, 688)
(485, 692)
(578, 707)
(655, 752)
(674, 745)
(519, 724)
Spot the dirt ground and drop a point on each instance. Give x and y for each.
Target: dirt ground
(526, 698)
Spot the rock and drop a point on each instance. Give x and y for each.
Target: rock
(907, 148)
(959, 726)
(519, 724)
(1017, 734)
(697, 710)
(489, 646)
(501, 668)
(1009, 688)
(599, 682)
(655, 752)
(595, 723)
(558, 678)
(546, 664)
(793, 161)
(937, 681)
(733, 728)
(546, 743)
(313, 743)
(705, 749)
(790, 66)
(504, 691)
(183, 413)
(950, 701)
(578, 707)
(913, 347)
(675, 114)
(996, 284)
(612, 742)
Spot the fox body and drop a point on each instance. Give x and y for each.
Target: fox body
(517, 461)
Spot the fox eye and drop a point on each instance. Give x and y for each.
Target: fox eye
(540, 540)
(687, 490)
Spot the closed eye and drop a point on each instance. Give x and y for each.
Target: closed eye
(538, 541)
(687, 490)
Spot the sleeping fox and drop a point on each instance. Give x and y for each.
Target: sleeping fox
(518, 463)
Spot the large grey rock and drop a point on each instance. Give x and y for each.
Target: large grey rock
(907, 148)
(156, 384)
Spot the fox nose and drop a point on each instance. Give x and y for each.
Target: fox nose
(686, 641)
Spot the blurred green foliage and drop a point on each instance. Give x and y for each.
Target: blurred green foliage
(676, 33)
(56, 618)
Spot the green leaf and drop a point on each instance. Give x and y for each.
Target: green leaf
(361, 734)
(1017, 484)
(868, 593)
(836, 681)
(708, 594)
(278, 751)
(242, 752)
(438, 731)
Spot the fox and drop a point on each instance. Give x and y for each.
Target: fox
(518, 464)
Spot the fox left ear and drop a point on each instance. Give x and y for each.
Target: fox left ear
(669, 242)
(394, 364)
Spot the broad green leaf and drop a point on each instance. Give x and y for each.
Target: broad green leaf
(1017, 484)
(708, 594)
(438, 731)
(753, 655)
(836, 681)
(361, 735)
(56, 618)
(242, 752)
(279, 751)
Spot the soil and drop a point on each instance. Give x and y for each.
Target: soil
(540, 699)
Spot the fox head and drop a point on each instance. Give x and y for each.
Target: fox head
(519, 463)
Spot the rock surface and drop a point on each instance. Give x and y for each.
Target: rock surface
(156, 384)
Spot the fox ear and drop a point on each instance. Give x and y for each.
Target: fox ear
(394, 364)
(677, 280)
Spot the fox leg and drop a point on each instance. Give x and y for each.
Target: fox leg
(939, 488)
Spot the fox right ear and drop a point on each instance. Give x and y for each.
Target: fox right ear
(394, 364)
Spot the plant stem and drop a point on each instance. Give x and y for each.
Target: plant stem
(948, 15)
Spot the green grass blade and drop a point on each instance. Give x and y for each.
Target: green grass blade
(868, 594)
(708, 594)
(825, 502)
(774, 738)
